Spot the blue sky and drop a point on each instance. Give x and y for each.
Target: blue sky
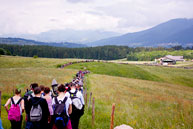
(36, 16)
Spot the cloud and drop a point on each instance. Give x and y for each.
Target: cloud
(78, 1)
(122, 16)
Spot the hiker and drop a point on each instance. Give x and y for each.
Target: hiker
(77, 105)
(37, 110)
(62, 109)
(54, 87)
(42, 90)
(49, 101)
(29, 94)
(79, 88)
(16, 109)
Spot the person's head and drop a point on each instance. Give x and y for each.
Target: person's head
(46, 90)
(73, 86)
(37, 90)
(17, 91)
(42, 88)
(77, 86)
(61, 88)
(33, 86)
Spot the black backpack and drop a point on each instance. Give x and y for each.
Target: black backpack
(61, 118)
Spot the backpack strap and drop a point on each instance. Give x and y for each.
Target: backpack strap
(35, 103)
(19, 101)
(12, 100)
(56, 100)
(74, 94)
(64, 101)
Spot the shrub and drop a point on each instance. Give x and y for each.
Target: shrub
(59, 65)
(8, 52)
(35, 56)
(2, 51)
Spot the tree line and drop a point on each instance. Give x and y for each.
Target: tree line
(152, 55)
(100, 53)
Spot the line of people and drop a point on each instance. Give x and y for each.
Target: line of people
(59, 108)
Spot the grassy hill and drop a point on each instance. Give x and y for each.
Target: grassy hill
(153, 73)
(140, 103)
(145, 96)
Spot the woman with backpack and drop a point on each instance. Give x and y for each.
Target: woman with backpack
(16, 109)
(62, 109)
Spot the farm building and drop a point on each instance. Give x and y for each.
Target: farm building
(170, 60)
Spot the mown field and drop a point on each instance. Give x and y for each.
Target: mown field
(145, 96)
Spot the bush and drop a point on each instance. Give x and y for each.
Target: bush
(35, 56)
(59, 65)
(2, 51)
(8, 52)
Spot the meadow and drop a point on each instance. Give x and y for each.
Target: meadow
(146, 97)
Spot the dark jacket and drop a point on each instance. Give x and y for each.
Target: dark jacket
(44, 106)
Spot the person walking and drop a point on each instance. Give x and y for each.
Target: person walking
(38, 111)
(77, 105)
(16, 109)
(61, 117)
(48, 98)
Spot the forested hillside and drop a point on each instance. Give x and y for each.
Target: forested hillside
(101, 53)
(104, 53)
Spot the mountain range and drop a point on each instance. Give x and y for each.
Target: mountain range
(20, 41)
(171, 33)
(66, 35)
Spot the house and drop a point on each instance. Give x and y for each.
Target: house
(170, 60)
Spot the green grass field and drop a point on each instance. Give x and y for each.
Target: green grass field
(177, 76)
(147, 97)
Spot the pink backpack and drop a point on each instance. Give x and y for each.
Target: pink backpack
(14, 111)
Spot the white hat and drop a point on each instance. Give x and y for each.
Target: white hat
(54, 82)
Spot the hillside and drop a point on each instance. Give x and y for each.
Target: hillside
(171, 33)
(20, 41)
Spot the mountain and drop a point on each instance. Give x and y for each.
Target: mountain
(173, 32)
(20, 41)
(67, 35)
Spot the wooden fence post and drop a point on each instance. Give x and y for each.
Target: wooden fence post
(112, 116)
(0, 103)
(85, 98)
(84, 93)
(90, 99)
(93, 111)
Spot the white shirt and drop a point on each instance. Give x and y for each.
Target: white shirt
(78, 94)
(67, 104)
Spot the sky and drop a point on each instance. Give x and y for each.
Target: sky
(122, 16)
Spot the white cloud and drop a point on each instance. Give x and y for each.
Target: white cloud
(38, 16)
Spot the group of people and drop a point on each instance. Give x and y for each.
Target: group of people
(59, 108)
